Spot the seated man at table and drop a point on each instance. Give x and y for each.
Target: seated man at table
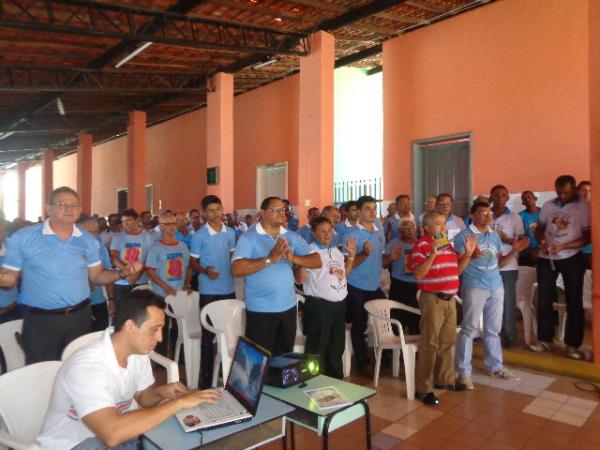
(92, 405)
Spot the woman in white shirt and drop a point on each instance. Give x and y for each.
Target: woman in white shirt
(325, 289)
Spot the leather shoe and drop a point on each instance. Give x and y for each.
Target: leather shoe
(428, 399)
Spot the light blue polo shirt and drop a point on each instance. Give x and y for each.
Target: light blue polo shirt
(170, 262)
(270, 289)
(367, 275)
(97, 293)
(482, 272)
(394, 224)
(187, 240)
(306, 233)
(7, 296)
(132, 248)
(54, 273)
(399, 266)
(213, 248)
(341, 229)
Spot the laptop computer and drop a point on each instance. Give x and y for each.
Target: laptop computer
(240, 396)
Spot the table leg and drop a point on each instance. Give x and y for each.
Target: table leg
(293, 435)
(284, 438)
(367, 423)
(326, 432)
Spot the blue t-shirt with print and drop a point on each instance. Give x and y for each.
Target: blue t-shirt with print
(132, 248)
(482, 272)
(270, 289)
(214, 248)
(170, 263)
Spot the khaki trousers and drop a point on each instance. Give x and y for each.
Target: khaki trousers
(435, 362)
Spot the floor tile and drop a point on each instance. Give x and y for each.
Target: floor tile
(569, 419)
(399, 431)
(384, 441)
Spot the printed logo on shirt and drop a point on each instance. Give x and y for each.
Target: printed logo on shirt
(488, 259)
(72, 413)
(174, 266)
(124, 406)
(561, 221)
(337, 270)
(133, 252)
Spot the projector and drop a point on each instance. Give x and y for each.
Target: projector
(291, 369)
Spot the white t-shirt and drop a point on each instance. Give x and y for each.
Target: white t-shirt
(329, 281)
(564, 223)
(454, 225)
(89, 380)
(511, 225)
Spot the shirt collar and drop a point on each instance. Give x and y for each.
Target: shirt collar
(348, 224)
(47, 229)
(476, 230)
(261, 230)
(360, 227)
(212, 231)
(557, 201)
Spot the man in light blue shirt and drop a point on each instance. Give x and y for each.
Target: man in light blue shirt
(8, 297)
(349, 221)
(130, 246)
(168, 260)
(57, 262)
(306, 231)
(264, 256)
(212, 246)
(365, 279)
(482, 292)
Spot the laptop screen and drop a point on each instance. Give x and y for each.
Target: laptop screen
(247, 373)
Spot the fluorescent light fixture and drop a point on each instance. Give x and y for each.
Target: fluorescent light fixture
(60, 106)
(266, 63)
(133, 54)
(5, 135)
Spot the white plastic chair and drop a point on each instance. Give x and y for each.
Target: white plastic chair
(348, 350)
(14, 357)
(525, 281)
(300, 339)
(561, 307)
(24, 398)
(170, 366)
(228, 323)
(184, 308)
(384, 338)
(142, 287)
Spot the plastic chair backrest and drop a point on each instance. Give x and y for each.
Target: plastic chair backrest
(24, 398)
(228, 321)
(142, 287)
(381, 321)
(14, 357)
(186, 310)
(525, 281)
(80, 342)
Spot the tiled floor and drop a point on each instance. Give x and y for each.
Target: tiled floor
(540, 412)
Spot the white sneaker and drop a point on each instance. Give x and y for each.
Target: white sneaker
(504, 374)
(466, 381)
(540, 347)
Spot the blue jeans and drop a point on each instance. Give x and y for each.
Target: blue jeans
(476, 302)
(96, 444)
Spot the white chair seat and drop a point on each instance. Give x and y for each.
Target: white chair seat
(12, 351)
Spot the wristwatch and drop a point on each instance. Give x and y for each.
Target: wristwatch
(267, 262)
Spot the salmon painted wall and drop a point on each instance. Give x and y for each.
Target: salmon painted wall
(514, 73)
(265, 132)
(176, 161)
(65, 172)
(109, 173)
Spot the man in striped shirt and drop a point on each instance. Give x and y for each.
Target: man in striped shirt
(436, 267)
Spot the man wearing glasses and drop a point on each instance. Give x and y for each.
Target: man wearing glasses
(56, 262)
(264, 256)
(454, 224)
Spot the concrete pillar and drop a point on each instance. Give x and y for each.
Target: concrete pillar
(594, 109)
(315, 149)
(219, 137)
(136, 161)
(21, 173)
(47, 176)
(84, 171)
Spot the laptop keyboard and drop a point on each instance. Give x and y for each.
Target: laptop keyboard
(217, 411)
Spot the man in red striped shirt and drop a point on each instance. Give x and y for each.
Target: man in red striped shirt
(436, 268)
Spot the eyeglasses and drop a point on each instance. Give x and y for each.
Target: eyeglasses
(485, 213)
(63, 205)
(277, 210)
(169, 224)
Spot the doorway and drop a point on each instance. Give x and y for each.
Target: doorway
(271, 181)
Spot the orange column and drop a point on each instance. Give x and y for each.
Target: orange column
(84, 171)
(21, 171)
(136, 161)
(315, 149)
(594, 109)
(2, 173)
(219, 137)
(47, 176)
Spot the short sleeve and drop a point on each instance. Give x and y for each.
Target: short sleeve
(93, 250)
(419, 253)
(14, 252)
(243, 249)
(519, 227)
(186, 256)
(459, 242)
(152, 260)
(300, 247)
(543, 215)
(104, 256)
(231, 236)
(115, 243)
(146, 378)
(87, 388)
(196, 245)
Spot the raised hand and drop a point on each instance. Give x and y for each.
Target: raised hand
(8, 278)
(212, 273)
(350, 247)
(367, 248)
(471, 245)
(278, 250)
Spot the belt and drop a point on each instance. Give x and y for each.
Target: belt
(8, 309)
(61, 311)
(443, 295)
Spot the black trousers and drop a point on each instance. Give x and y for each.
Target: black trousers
(207, 353)
(325, 329)
(45, 336)
(572, 270)
(357, 315)
(405, 292)
(122, 290)
(275, 331)
(99, 317)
